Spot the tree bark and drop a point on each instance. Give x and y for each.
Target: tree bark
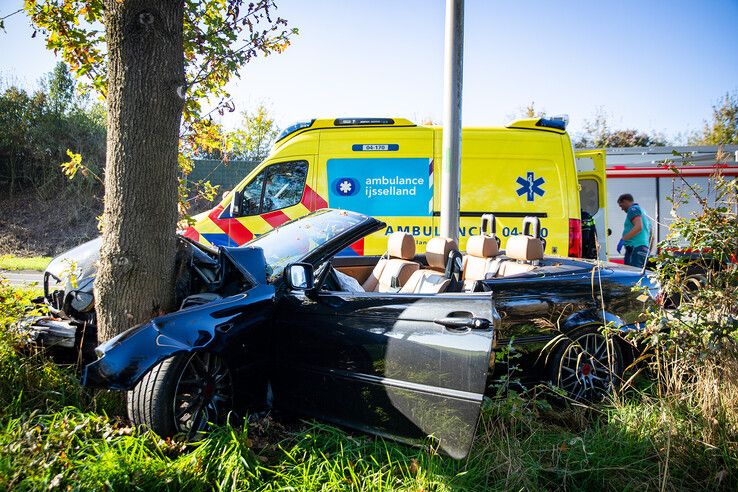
(136, 274)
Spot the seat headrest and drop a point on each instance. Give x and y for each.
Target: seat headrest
(525, 248)
(482, 246)
(401, 245)
(437, 250)
(532, 226)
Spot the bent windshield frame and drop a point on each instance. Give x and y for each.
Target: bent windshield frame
(297, 239)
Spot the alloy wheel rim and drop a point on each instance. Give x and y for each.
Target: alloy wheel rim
(203, 393)
(587, 367)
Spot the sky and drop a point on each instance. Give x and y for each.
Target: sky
(650, 64)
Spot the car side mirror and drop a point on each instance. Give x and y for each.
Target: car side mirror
(299, 276)
(237, 204)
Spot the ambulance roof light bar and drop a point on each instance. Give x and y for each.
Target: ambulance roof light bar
(555, 124)
(363, 121)
(558, 122)
(561, 117)
(293, 128)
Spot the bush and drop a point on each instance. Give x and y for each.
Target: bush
(37, 130)
(693, 339)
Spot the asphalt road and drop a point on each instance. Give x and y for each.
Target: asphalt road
(23, 278)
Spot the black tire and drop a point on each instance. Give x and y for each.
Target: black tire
(161, 399)
(692, 284)
(582, 365)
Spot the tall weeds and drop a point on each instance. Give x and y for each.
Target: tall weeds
(693, 338)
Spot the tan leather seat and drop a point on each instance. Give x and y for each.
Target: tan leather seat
(433, 279)
(393, 272)
(522, 250)
(480, 260)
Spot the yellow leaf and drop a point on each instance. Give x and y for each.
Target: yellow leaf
(75, 164)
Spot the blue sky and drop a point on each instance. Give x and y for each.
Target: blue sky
(652, 65)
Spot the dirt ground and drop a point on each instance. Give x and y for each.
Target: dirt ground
(34, 227)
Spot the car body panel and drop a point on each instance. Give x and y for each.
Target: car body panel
(219, 326)
(379, 362)
(537, 310)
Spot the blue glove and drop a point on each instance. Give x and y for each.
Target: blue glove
(620, 245)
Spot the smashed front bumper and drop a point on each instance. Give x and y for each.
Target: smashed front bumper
(49, 332)
(119, 365)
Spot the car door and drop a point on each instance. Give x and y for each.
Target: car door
(533, 309)
(404, 366)
(593, 192)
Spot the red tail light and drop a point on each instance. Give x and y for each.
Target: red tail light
(575, 238)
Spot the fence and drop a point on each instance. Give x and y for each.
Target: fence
(225, 174)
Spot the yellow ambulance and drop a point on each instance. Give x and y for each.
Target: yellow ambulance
(389, 168)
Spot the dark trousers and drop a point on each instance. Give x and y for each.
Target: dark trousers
(636, 256)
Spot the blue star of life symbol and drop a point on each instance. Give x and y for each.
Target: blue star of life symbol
(530, 186)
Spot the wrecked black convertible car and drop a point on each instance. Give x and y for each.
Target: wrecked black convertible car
(401, 346)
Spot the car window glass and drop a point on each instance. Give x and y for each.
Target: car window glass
(589, 196)
(297, 239)
(284, 186)
(252, 195)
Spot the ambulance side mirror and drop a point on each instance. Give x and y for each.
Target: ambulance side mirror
(237, 203)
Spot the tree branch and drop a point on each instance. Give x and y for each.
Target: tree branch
(11, 14)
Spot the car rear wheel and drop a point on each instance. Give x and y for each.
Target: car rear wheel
(586, 364)
(183, 394)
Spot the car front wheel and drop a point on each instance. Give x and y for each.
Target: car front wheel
(586, 364)
(183, 394)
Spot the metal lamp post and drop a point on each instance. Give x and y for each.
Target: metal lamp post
(453, 82)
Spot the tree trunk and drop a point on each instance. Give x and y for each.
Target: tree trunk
(136, 274)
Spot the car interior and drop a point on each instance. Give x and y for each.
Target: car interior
(443, 268)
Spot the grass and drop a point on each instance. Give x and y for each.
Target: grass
(36, 263)
(55, 435)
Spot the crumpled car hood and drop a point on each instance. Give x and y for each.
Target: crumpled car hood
(79, 262)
